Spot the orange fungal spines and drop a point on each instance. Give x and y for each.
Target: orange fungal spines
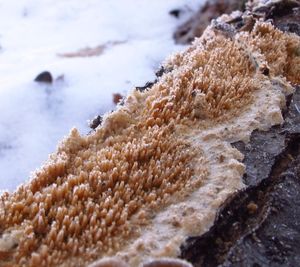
(98, 194)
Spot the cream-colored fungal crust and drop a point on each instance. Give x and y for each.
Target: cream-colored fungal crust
(159, 167)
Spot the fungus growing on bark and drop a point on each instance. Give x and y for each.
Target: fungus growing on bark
(96, 193)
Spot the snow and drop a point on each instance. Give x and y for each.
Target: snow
(34, 117)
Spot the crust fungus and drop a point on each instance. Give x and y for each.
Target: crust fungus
(154, 151)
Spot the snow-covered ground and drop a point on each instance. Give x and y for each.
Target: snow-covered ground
(34, 117)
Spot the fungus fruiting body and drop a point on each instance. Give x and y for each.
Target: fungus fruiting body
(158, 168)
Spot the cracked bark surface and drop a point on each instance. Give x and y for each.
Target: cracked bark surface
(212, 9)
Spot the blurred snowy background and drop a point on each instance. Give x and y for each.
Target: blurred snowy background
(128, 40)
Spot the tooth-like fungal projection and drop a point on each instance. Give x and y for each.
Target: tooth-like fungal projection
(159, 167)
